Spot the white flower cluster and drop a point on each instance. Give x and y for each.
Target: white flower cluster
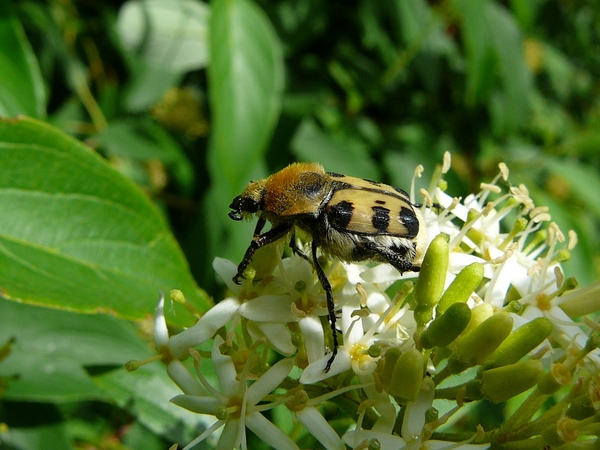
(286, 313)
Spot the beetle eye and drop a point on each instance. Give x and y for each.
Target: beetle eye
(250, 205)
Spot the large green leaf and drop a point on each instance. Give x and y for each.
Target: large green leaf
(245, 92)
(52, 348)
(246, 83)
(21, 85)
(76, 234)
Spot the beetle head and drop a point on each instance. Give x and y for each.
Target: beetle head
(248, 203)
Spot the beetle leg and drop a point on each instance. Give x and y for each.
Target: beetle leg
(395, 258)
(258, 241)
(295, 248)
(330, 304)
(398, 261)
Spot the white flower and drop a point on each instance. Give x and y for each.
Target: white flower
(236, 405)
(286, 307)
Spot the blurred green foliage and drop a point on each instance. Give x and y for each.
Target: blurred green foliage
(368, 88)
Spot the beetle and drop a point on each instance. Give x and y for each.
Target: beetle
(345, 217)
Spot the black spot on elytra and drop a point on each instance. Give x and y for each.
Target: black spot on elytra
(381, 218)
(340, 214)
(410, 221)
(380, 202)
(335, 175)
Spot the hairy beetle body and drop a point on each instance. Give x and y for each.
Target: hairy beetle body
(345, 217)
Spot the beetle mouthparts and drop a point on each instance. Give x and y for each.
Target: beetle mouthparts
(236, 215)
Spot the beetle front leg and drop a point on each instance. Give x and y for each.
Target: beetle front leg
(330, 304)
(258, 241)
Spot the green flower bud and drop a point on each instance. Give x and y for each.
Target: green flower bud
(581, 302)
(474, 390)
(479, 314)
(431, 414)
(475, 347)
(407, 378)
(391, 357)
(521, 342)
(432, 278)
(447, 327)
(462, 287)
(503, 383)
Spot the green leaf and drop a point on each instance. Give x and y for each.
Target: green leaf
(52, 348)
(480, 58)
(81, 236)
(21, 84)
(246, 84)
(144, 140)
(496, 69)
(145, 393)
(340, 153)
(583, 180)
(34, 426)
(515, 77)
(166, 33)
(245, 77)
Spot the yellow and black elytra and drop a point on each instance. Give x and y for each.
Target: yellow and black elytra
(346, 217)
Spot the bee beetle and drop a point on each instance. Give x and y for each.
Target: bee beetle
(348, 218)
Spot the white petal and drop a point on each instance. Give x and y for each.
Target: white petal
(269, 433)
(386, 410)
(230, 436)
(205, 328)
(459, 261)
(205, 434)
(279, 336)
(351, 326)
(268, 381)
(314, 338)
(316, 371)
(161, 333)
(414, 417)
(224, 369)
(316, 424)
(387, 441)
(377, 301)
(445, 445)
(381, 273)
(197, 404)
(184, 379)
(269, 308)
(353, 272)
(500, 283)
(226, 271)
(574, 332)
